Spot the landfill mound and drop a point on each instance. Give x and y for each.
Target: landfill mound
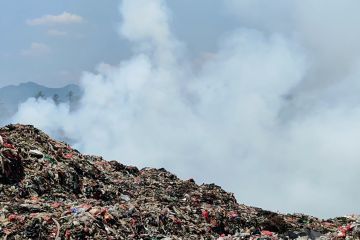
(51, 191)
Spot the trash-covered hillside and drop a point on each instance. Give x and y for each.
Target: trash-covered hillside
(51, 191)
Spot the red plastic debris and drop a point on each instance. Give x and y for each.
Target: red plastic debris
(233, 214)
(46, 218)
(56, 204)
(177, 221)
(34, 198)
(68, 156)
(13, 217)
(205, 214)
(86, 207)
(8, 145)
(108, 217)
(67, 234)
(267, 233)
(343, 230)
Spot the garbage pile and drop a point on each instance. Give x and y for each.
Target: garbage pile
(51, 191)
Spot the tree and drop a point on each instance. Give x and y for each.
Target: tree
(39, 95)
(56, 99)
(70, 96)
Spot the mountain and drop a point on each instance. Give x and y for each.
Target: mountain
(51, 191)
(13, 95)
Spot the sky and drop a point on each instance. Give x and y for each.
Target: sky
(56, 54)
(258, 97)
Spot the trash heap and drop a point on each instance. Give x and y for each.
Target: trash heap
(51, 191)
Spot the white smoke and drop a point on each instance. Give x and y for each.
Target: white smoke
(328, 30)
(239, 121)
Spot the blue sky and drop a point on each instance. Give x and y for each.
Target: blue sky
(56, 54)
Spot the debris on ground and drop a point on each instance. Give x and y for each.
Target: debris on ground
(51, 191)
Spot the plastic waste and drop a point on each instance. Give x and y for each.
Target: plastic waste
(51, 191)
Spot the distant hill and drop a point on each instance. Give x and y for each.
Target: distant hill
(13, 95)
